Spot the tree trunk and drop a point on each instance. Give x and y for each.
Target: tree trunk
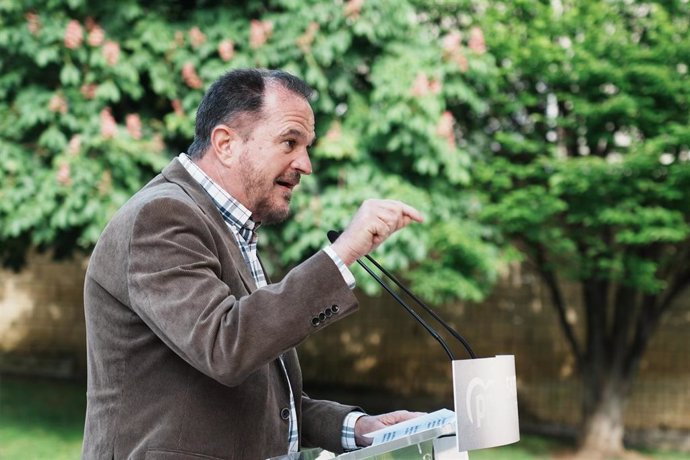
(605, 395)
(602, 429)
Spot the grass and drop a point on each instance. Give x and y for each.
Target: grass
(44, 419)
(41, 418)
(529, 448)
(537, 447)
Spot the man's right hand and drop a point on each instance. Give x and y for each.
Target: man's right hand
(373, 223)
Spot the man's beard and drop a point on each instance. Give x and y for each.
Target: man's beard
(264, 196)
(271, 214)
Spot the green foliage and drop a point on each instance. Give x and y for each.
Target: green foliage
(96, 97)
(590, 158)
(587, 168)
(583, 161)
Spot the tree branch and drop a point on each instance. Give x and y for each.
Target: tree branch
(595, 307)
(647, 322)
(653, 307)
(557, 300)
(623, 320)
(678, 284)
(626, 309)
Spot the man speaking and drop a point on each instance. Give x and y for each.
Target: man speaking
(190, 347)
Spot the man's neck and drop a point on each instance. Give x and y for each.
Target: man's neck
(222, 175)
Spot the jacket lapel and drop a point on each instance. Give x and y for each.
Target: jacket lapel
(176, 174)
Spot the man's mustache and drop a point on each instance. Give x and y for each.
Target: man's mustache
(292, 178)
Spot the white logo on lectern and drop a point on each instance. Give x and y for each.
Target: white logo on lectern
(479, 400)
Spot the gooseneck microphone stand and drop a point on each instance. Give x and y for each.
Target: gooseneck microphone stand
(333, 235)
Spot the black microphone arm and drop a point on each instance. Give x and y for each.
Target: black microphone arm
(426, 308)
(333, 235)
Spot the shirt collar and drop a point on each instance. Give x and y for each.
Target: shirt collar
(233, 212)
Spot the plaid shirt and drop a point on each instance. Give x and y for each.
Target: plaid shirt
(238, 220)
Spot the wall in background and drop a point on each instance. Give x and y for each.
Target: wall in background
(379, 356)
(42, 318)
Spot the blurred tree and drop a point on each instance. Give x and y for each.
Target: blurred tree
(587, 170)
(95, 97)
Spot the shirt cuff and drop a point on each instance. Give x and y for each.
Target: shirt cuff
(348, 438)
(344, 271)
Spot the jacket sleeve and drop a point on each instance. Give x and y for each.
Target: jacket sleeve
(322, 423)
(179, 287)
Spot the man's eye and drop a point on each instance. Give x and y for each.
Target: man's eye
(290, 144)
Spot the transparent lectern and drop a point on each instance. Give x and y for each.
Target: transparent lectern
(486, 415)
(434, 444)
(485, 393)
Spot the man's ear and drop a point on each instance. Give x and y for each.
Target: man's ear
(225, 143)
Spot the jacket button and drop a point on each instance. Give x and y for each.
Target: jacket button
(335, 308)
(285, 413)
(322, 317)
(328, 312)
(315, 321)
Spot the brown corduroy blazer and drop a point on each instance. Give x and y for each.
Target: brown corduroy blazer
(182, 348)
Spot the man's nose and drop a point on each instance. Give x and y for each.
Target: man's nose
(302, 163)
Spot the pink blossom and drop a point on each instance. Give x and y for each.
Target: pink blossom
(63, 175)
(74, 35)
(196, 37)
(353, 8)
(74, 146)
(88, 90)
(105, 185)
(111, 52)
(57, 104)
(157, 143)
(108, 124)
(451, 42)
(177, 107)
(335, 131)
(476, 42)
(305, 40)
(33, 22)
(226, 50)
(423, 85)
(259, 32)
(96, 36)
(90, 23)
(420, 87)
(133, 123)
(191, 78)
(444, 128)
(461, 60)
(453, 51)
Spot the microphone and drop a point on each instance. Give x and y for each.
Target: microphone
(333, 235)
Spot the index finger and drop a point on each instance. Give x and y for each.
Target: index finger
(412, 213)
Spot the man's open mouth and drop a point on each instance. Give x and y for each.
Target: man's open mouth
(286, 184)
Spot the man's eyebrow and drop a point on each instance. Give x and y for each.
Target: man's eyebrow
(292, 132)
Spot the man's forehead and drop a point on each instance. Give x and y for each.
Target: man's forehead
(291, 110)
(275, 93)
